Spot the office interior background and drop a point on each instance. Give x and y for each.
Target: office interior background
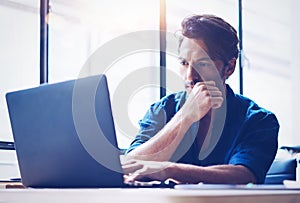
(77, 28)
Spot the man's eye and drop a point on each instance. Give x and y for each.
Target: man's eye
(184, 63)
(202, 65)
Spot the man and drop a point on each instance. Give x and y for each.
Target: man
(205, 133)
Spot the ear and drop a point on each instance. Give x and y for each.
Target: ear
(230, 67)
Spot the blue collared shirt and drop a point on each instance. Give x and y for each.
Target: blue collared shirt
(248, 136)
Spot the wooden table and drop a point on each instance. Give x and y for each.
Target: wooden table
(147, 196)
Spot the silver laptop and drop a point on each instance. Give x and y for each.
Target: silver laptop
(64, 135)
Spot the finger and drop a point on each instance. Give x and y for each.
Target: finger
(128, 161)
(141, 177)
(138, 174)
(215, 93)
(209, 87)
(139, 182)
(131, 179)
(207, 83)
(126, 178)
(131, 168)
(216, 102)
(212, 88)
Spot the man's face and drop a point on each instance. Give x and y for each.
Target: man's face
(196, 65)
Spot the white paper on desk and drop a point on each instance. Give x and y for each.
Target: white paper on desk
(233, 187)
(292, 184)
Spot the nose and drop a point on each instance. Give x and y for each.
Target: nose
(192, 74)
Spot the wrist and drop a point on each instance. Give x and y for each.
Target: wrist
(186, 117)
(172, 171)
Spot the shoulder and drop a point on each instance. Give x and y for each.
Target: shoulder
(168, 105)
(251, 113)
(162, 111)
(171, 100)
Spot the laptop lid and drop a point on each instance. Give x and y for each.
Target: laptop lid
(64, 135)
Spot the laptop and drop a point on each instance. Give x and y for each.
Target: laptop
(65, 136)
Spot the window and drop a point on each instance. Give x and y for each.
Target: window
(19, 61)
(19, 53)
(79, 29)
(270, 71)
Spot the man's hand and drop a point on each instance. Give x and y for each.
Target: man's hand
(138, 170)
(203, 97)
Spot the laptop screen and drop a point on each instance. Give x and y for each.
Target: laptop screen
(64, 134)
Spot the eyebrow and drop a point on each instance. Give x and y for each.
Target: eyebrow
(198, 60)
(203, 59)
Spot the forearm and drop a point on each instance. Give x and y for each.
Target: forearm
(225, 174)
(163, 144)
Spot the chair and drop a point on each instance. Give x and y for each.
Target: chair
(280, 170)
(291, 149)
(284, 169)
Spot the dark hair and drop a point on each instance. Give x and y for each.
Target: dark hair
(218, 35)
